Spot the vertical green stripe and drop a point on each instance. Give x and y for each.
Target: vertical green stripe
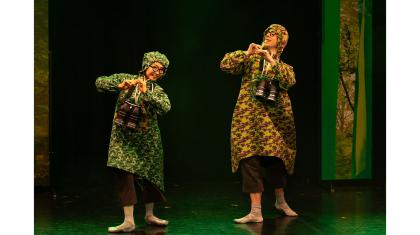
(363, 106)
(368, 79)
(330, 75)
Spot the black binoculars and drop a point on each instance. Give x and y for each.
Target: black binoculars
(267, 89)
(128, 115)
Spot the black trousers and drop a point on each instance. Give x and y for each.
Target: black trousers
(254, 169)
(125, 183)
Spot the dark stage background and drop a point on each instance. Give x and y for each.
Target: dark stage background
(93, 38)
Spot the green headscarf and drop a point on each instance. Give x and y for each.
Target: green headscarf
(152, 57)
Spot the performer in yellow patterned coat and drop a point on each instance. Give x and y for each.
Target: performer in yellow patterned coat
(263, 137)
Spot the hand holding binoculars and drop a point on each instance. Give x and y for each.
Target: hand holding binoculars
(253, 48)
(127, 84)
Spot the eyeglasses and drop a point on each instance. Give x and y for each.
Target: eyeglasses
(157, 69)
(271, 34)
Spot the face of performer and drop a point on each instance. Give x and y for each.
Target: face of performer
(155, 71)
(270, 40)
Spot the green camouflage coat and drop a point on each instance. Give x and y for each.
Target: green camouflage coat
(139, 152)
(259, 129)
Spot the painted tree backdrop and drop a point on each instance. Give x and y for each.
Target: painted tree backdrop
(41, 93)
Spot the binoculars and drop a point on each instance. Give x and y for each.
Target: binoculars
(128, 115)
(267, 89)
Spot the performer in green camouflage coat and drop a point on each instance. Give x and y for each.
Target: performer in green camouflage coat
(263, 138)
(136, 154)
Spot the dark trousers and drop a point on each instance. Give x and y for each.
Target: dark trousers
(125, 183)
(254, 169)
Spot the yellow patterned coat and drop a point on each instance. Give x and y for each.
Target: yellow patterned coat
(260, 129)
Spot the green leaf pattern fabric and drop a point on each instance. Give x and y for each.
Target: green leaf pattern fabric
(139, 152)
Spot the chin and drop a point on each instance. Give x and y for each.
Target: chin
(267, 46)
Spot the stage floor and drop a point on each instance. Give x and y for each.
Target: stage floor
(209, 209)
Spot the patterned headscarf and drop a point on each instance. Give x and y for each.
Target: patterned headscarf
(152, 57)
(282, 36)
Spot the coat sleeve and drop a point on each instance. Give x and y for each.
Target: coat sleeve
(157, 101)
(109, 83)
(234, 62)
(284, 74)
